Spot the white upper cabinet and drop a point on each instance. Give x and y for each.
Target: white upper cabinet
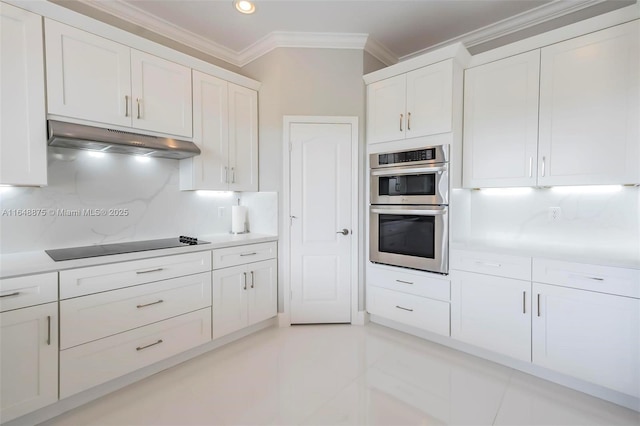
(587, 131)
(96, 79)
(589, 109)
(161, 93)
(225, 128)
(88, 77)
(23, 134)
(418, 103)
(243, 139)
(501, 122)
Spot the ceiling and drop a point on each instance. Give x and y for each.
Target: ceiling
(392, 30)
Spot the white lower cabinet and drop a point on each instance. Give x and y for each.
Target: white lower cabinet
(492, 312)
(588, 335)
(243, 295)
(91, 364)
(28, 359)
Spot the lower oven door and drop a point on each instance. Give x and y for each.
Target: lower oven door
(410, 236)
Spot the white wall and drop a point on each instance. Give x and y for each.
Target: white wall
(317, 82)
(148, 191)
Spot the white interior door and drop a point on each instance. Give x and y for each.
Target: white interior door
(321, 207)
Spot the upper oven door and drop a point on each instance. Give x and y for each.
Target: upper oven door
(410, 185)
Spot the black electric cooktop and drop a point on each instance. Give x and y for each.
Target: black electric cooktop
(120, 248)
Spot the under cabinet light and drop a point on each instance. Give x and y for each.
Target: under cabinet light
(219, 194)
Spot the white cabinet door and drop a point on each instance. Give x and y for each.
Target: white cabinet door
(230, 288)
(263, 294)
(429, 100)
(588, 335)
(211, 133)
(161, 92)
(492, 312)
(23, 134)
(501, 122)
(386, 106)
(28, 359)
(589, 109)
(243, 139)
(88, 77)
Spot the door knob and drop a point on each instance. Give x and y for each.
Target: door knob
(344, 231)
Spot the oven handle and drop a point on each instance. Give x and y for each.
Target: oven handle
(415, 212)
(407, 171)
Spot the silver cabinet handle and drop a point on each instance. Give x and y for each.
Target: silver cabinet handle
(404, 282)
(530, 166)
(149, 304)
(138, 102)
(401, 119)
(538, 304)
(149, 271)
(11, 294)
(126, 105)
(49, 330)
(252, 279)
(585, 277)
(524, 302)
(139, 348)
(404, 309)
(543, 165)
(344, 231)
(245, 281)
(226, 174)
(248, 254)
(233, 175)
(408, 121)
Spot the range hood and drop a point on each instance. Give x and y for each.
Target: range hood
(78, 136)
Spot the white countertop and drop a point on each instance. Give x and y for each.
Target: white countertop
(612, 258)
(35, 262)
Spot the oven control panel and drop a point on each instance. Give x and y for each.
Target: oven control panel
(427, 155)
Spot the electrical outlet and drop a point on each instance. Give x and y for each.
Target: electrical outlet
(220, 211)
(554, 214)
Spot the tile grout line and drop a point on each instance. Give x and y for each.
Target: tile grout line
(506, 388)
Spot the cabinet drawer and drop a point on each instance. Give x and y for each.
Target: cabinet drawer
(420, 284)
(232, 256)
(416, 311)
(93, 317)
(604, 279)
(28, 291)
(518, 267)
(97, 362)
(94, 279)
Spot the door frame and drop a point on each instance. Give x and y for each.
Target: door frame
(284, 318)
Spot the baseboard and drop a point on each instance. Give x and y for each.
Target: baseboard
(360, 318)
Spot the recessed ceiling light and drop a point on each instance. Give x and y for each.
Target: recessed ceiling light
(245, 6)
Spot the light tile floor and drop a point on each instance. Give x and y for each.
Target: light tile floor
(343, 375)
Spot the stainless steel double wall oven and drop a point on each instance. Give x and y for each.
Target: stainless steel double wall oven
(409, 222)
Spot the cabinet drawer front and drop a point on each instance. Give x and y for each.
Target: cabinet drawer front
(502, 265)
(28, 291)
(97, 362)
(93, 317)
(232, 256)
(420, 284)
(416, 311)
(603, 279)
(94, 279)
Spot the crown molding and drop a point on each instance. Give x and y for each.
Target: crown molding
(134, 15)
(513, 24)
(301, 39)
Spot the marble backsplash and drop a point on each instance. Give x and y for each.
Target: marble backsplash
(590, 222)
(94, 199)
